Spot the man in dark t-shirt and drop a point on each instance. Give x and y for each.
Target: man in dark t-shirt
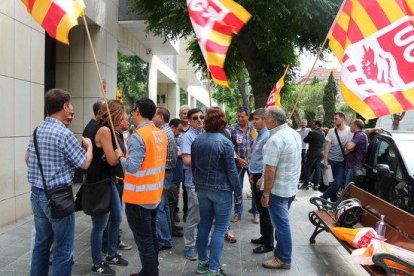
(355, 152)
(315, 139)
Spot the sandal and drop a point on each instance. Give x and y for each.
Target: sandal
(230, 237)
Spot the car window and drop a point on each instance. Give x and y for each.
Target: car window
(385, 154)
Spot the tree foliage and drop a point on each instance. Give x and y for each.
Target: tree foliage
(329, 101)
(230, 99)
(132, 78)
(264, 47)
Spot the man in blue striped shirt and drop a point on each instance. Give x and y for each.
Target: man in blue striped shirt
(60, 153)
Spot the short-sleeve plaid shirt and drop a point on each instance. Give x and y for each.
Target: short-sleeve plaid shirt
(283, 150)
(242, 140)
(60, 153)
(171, 149)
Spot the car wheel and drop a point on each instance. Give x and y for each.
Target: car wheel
(399, 197)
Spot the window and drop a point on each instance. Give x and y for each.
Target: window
(385, 154)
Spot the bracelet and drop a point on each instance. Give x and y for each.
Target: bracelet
(265, 195)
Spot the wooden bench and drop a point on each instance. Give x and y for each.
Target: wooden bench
(399, 224)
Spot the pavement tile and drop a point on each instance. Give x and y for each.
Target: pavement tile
(326, 257)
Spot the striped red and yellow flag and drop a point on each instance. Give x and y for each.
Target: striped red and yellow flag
(274, 97)
(374, 41)
(57, 17)
(214, 22)
(118, 95)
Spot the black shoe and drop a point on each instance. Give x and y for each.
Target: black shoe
(263, 249)
(177, 227)
(303, 187)
(257, 241)
(176, 218)
(102, 269)
(177, 233)
(116, 260)
(164, 247)
(315, 187)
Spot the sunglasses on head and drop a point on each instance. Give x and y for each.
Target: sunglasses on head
(195, 118)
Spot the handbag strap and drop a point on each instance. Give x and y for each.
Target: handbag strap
(38, 159)
(339, 142)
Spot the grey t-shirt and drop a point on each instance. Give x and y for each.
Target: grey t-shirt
(345, 135)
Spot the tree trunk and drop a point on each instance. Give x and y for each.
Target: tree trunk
(248, 52)
(396, 118)
(296, 118)
(241, 85)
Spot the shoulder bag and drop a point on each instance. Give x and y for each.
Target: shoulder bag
(340, 144)
(97, 197)
(60, 198)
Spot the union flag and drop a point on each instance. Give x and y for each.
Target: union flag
(118, 95)
(214, 23)
(374, 42)
(274, 97)
(57, 17)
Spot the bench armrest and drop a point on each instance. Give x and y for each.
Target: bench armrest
(323, 204)
(379, 259)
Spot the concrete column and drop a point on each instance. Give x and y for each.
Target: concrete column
(152, 81)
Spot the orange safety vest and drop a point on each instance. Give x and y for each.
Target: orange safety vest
(146, 185)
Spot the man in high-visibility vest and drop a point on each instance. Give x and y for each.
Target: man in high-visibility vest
(143, 182)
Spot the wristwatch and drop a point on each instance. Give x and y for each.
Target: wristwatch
(265, 195)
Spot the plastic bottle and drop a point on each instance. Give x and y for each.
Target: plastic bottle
(380, 227)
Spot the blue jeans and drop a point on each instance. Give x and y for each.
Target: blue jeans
(115, 219)
(142, 223)
(214, 206)
(164, 230)
(99, 223)
(312, 162)
(338, 172)
(62, 231)
(114, 222)
(238, 208)
(279, 215)
(349, 173)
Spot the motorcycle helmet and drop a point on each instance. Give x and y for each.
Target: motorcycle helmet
(348, 212)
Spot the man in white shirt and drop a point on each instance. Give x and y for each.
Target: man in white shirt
(303, 132)
(336, 140)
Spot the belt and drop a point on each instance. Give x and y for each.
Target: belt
(34, 188)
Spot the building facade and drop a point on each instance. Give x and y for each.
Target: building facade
(31, 63)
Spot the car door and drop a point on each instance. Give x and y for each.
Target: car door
(384, 172)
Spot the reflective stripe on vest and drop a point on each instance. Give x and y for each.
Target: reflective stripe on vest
(145, 186)
(148, 172)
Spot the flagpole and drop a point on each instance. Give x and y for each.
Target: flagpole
(336, 18)
(208, 86)
(301, 93)
(316, 59)
(101, 84)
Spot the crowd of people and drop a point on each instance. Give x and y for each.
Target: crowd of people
(198, 153)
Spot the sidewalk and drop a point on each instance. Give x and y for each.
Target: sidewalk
(326, 257)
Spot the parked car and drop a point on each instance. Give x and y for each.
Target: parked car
(389, 168)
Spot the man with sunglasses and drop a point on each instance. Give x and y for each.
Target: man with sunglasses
(196, 122)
